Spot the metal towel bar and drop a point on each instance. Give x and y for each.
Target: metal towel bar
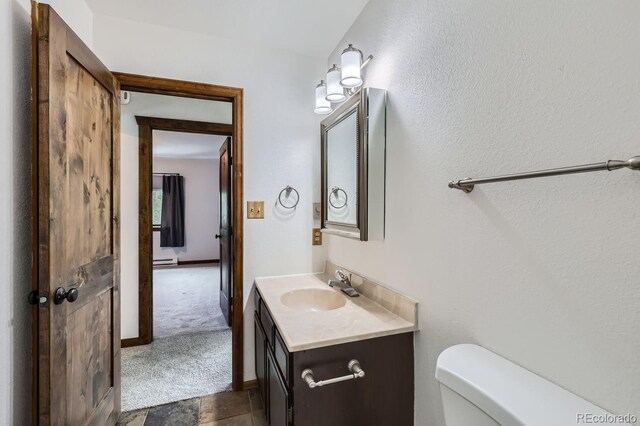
(468, 184)
(354, 367)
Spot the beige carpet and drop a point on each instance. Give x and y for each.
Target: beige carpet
(191, 352)
(186, 300)
(175, 368)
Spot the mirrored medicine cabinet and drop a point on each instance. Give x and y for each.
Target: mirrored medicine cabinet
(353, 167)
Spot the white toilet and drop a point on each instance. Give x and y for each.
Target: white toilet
(480, 388)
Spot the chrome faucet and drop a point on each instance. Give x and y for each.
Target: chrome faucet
(343, 283)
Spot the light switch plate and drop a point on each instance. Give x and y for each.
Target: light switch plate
(317, 237)
(317, 209)
(255, 209)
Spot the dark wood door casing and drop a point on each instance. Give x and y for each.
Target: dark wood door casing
(76, 237)
(146, 126)
(165, 86)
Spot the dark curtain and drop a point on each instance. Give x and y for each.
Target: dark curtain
(172, 222)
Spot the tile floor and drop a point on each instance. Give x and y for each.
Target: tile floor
(222, 409)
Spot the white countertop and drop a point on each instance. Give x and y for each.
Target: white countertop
(359, 319)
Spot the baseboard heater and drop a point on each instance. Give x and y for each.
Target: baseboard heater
(170, 261)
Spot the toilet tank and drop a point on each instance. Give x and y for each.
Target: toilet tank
(481, 388)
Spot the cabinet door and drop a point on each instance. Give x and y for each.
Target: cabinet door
(261, 360)
(278, 395)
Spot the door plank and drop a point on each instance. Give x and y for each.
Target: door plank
(79, 51)
(91, 279)
(56, 179)
(115, 250)
(89, 353)
(103, 409)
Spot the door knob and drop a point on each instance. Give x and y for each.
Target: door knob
(61, 294)
(217, 236)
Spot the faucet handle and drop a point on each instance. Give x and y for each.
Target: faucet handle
(342, 276)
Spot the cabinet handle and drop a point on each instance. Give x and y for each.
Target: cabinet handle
(354, 367)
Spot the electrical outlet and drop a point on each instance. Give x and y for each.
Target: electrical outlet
(317, 237)
(255, 209)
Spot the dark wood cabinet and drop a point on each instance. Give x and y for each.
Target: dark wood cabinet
(279, 403)
(384, 396)
(260, 341)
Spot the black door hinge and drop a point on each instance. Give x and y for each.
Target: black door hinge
(230, 161)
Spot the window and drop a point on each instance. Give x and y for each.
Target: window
(156, 207)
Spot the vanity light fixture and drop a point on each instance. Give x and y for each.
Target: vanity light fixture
(351, 62)
(323, 106)
(335, 92)
(348, 76)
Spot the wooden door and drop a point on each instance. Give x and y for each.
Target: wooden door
(226, 237)
(76, 196)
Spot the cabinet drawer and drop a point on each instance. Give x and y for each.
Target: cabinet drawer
(282, 357)
(267, 322)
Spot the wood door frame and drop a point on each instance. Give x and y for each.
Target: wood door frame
(188, 89)
(146, 126)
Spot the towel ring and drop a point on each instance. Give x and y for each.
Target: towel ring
(288, 190)
(334, 192)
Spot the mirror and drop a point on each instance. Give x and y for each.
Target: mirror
(353, 167)
(342, 170)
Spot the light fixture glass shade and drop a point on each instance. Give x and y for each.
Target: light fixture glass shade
(323, 106)
(335, 92)
(351, 62)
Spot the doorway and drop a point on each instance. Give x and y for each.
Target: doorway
(190, 261)
(147, 125)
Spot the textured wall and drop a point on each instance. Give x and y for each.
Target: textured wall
(280, 130)
(15, 198)
(543, 272)
(202, 209)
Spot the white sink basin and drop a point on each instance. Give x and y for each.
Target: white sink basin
(313, 299)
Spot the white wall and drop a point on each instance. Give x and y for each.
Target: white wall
(543, 272)
(15, 198)
(281, 132)
(201, 205)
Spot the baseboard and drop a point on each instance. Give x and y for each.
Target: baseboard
(133, 341)
(251, 384)
(197, 262)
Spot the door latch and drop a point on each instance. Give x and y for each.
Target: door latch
(36, 297)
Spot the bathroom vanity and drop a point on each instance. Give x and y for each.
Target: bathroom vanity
(307, 333)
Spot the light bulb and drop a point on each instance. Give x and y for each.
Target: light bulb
(335, 92)
(351, 62)
(323, 106)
